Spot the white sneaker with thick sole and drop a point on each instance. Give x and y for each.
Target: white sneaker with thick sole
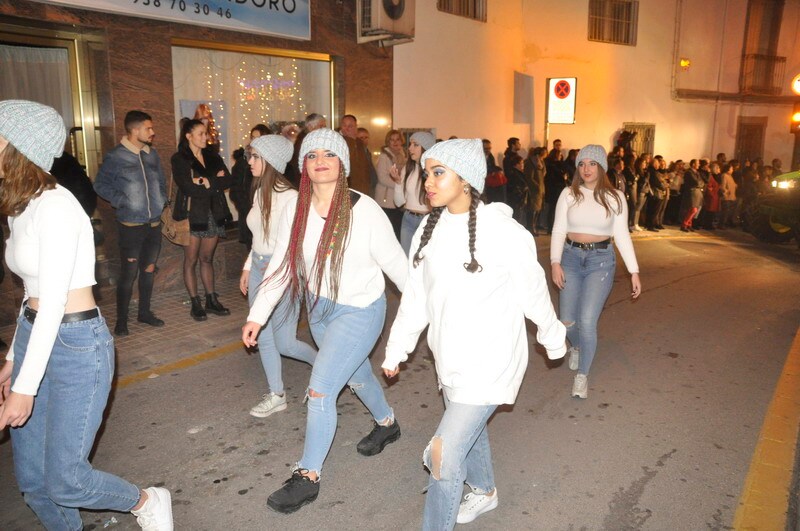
(580, 387)
(269, 404)
(156, 513)
(475, 505)
(574, 358)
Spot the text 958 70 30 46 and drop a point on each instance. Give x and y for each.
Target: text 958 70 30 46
(184, 6)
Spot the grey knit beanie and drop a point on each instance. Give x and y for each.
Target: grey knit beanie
(326, 139)
(463, 156)
(277, 150)
(35, 130)
(595, 153)
(424, 139)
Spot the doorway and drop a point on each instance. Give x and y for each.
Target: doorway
(67, 71)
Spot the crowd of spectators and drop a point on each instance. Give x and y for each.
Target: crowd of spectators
(701, 194)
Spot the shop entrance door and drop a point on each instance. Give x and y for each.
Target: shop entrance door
(67, 71)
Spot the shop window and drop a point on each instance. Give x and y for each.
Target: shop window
(613, 21)
(244, 87)
(474, 9)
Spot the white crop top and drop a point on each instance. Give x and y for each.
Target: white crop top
(589, 217)
(51, 248)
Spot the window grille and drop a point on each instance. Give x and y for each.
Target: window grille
(474, 9)
(613, 21)
(645, 139)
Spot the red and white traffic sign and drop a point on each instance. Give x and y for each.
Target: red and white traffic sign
(561, 100)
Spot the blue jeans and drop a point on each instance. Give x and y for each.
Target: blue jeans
(279, 335)
(51, 451)
(345, 336)
(466, 456)
(408, 228)
(589, 278)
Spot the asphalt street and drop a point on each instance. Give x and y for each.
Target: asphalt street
(677, 396)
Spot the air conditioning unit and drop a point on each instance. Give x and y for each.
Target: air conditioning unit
(390, 21)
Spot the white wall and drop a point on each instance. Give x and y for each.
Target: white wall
(457, 75)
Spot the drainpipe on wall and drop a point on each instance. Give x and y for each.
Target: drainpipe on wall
(719, 77)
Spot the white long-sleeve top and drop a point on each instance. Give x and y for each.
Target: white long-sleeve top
(407, 194)
(51, 248)
(476, 321)
(371, 250)
(589, 217)
(264, 244)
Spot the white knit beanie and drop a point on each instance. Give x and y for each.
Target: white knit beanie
(595, 153)
(326, 139)
(463, 156)
(35, 130)
(277, 150)
(424, 139)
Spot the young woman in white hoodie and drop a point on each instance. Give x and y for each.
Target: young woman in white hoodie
(473, 265)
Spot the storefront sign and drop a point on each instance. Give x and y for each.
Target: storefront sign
(285, 18)
(561, 100)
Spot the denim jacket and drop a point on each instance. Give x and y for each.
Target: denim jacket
(133, 182)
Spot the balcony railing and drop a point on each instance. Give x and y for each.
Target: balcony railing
(762, 74)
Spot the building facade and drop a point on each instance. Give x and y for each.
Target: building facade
(693, 77)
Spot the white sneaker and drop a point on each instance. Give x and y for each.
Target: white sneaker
(580, 387)
(574, 358)
(269, 404)
(475, 505)
(637, 228)
(156, 513)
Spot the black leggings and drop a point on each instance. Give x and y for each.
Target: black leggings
(139, 246)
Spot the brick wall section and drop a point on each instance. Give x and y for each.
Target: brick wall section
(139, 68)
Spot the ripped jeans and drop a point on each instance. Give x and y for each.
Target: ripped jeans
(345, 336)
(589, 277)
(279, 335)
(465, 456)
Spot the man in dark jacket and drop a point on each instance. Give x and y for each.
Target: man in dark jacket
(131, 179)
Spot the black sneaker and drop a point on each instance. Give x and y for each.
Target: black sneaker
(378, 438)
(297, 491)
(150, 319)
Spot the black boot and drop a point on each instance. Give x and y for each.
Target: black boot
(214, 306)
(198, 313)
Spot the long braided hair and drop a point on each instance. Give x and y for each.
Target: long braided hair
(472, 266)
(331, 246)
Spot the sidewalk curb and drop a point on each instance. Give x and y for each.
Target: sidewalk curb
(765, 496)
(182, 363)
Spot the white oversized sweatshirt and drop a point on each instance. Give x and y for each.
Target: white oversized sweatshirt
(371, 250)
(476, 321)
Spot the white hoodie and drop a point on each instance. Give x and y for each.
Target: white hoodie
(476, 320)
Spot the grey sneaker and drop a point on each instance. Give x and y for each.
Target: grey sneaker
(475, 505)
(580, 387)
(156, 513)
(269, 404)
(574, 358)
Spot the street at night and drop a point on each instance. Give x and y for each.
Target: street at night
(677, 398)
